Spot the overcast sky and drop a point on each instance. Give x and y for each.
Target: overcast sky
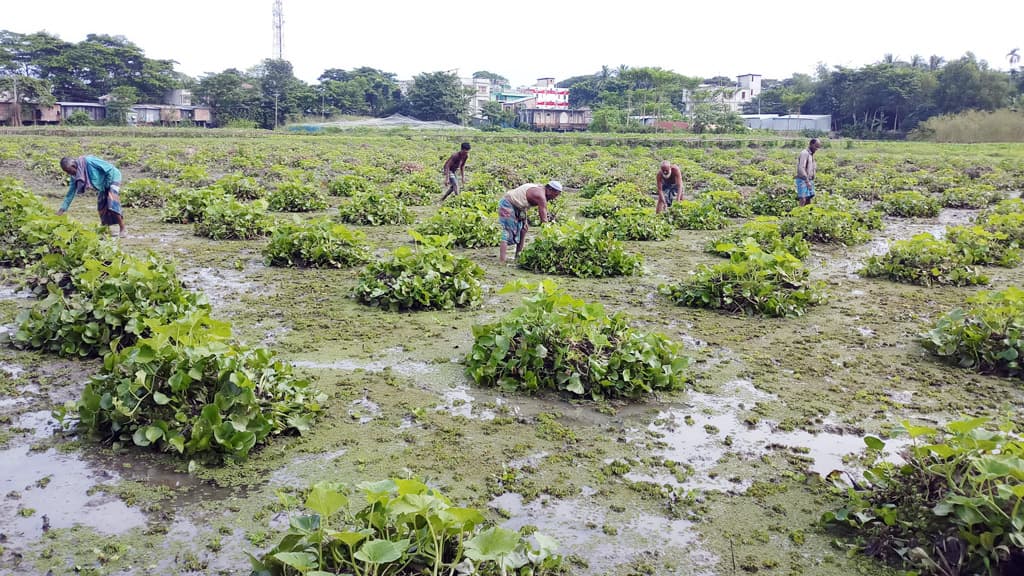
(526, 40)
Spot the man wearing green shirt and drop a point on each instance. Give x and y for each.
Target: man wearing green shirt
(89, 172)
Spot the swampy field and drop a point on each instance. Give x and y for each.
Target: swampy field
(769, 344)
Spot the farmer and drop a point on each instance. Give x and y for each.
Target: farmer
(512, 212)
(90, 172)
(670, 185)
(457, 161)
(806, 167)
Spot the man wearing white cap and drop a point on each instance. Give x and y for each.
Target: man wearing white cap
(512, 212)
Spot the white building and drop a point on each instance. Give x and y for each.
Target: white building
(789, 122)
(549, 96)
(747, 87)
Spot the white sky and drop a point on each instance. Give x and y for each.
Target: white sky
(528, 39)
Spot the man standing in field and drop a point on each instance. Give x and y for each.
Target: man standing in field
(90, 172)
(805, 170)
(512, 213)
(457, 161)
(670, 185)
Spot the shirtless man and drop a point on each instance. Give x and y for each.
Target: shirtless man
(455, 162)
(670, 185)
(512, 213)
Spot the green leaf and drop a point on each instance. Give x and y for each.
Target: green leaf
(325, 501)
(874, 443)
(160, 398)
(301, 561)
(381, 551)
(492, 544)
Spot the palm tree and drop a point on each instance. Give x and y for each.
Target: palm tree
(1014, 57)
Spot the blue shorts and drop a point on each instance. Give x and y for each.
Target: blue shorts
(804, 188)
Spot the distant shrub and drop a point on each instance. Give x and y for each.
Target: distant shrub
(690, 215)
(188, 205)
(145, 193)
(295, 196)
(923, 260)
(374, 209)
(638, 224)
(979, 246)
(910, 204)
(241, 186)
(316, 244)
(233, 220)
(348, 185)
(969, 197)
(728, 202)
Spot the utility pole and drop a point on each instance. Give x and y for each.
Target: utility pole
(275, 110)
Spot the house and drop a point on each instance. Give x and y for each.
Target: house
(545, 106)
(747, 87)
(94, 110)
(168, 115)
(555, 120)
(788, 122)
(30, 114)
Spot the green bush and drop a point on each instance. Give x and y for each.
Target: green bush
(422, 277)
(241, 186)
(604, 205)
(400, 526)
(969, 197)
(185, 388)
(690, 215)
(320, 243)
(416, 190)
(483, 183)
(192, 176)
(821, 224)
(1007, 206)
(188, 205)
(638, 224)
(581, 250)
(469, 227)
(728, 202)
(910, 204)
(752, 282)
(556, 342)
(764, 230)
(988, 336)
(145, 193)
(107, 302)
(348, 185)
(474, 200)
(923, 260)
(374, 209)
(952, 506)
(233, 220)
(870, 219)
(295, 196)
(18, 207)
(979, 246)
(1009, 225)
(773, 202)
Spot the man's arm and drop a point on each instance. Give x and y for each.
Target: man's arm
(74, 188)
(801, 166)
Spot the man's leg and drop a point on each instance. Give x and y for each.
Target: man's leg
(502, 250)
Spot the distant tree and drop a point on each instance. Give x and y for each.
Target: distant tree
(26, 91)
(967, 83)
(720, 81)
(282, 94)
(363, 91)
(494, 78)
(438, 96)
(232, 94)
(120, 104)
(496, 114)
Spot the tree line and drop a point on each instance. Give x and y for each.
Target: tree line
(891, 95)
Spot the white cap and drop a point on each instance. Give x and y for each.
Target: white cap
(555, 185)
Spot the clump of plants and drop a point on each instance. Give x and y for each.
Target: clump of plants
(1009, 225)
(320, 243)
(416, 190)
(188, 205)
(923, 260)
(553, 341)
(426, 276)
(952, 506)
(773, 201)
(987, 335)
(145, 193)
(104, 303)
(690, 215)
(233, 220)
(819, 223)
(348, 185)
(979, 246)
(296, 196)
(910, 204)
(185, 388)
(638, 224)
(241, 186)
(764, 230)
(624, 195)
(582, 250)
(978, 196)
(374, 209)
(729, 202)
(468, 227)
(475, 200)
(398, 526)
(751, 282)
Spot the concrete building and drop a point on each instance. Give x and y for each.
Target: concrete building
(788, 122)
(747, 87)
